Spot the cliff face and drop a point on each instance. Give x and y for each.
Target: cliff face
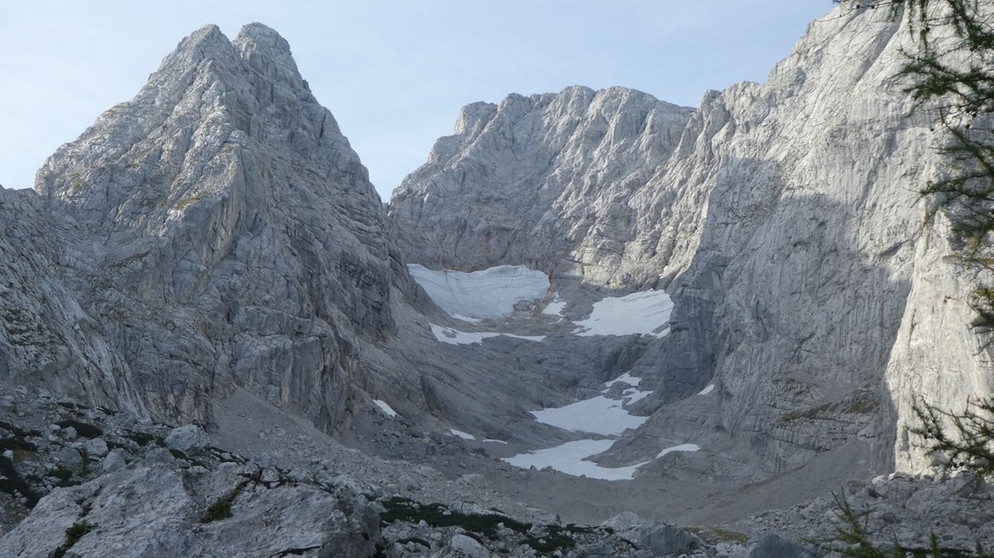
(219, 230)
(542, 180)
(784, 220)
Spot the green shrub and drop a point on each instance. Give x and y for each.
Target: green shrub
(77, 531)
(221, 508)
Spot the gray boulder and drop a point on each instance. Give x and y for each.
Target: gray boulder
(113, 461)
(775, 546)
(189, 437)
(95, 447)
(468, 546)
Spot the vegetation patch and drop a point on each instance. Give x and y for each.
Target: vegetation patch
(77, 531)
(221, 508)
(556, 537)
(809, 414)
(64, 475)
(437, 515)
(19, 433)
(553, 538)
(183, 203)
(715, 535)
(865, 403)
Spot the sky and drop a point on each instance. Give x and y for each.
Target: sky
(393, 72)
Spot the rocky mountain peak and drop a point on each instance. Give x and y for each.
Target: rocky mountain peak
(718, 296)
(217, 206)
(268, 52)
(206, 43)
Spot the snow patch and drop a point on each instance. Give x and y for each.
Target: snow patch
(382, 405)
(681, 447)
(456, 337)
(707, 390)
(556, 307)
(461, 434)
(491, 293)
(599, 415)
(535, 338)
(625, 378)
(570, 458)
(643, 313)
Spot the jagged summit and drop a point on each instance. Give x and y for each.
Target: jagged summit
(210, 99)
(216, 207)
(729, 309)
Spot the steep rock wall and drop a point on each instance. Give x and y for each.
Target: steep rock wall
(542, 180)
(785, 222)
(222, 231)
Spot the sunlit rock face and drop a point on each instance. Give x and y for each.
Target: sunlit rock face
(783, 218)
(218, 231)
(544, 180)
(221, 230)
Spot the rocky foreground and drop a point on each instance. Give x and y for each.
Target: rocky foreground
(79, 481)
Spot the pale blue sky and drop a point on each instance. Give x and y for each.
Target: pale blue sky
(393, 72)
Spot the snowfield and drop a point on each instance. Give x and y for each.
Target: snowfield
(491, 293)
(456, 337)
(681, 447)
(570, 458)
(461, 434)
(645, 313)
(600, 415)
(494, 292)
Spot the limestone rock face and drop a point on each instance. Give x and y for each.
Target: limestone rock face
(784, 220)
(544, 180)
(174, 518)
(47, 340)
(220, 229)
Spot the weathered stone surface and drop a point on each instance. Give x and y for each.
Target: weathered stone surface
(96, 447)
(187, 437)
(113, 461)
(775, 546)
(169, 521)
(544, 181)
(214, 244)
(217, 228)
(468, 546)
(784, 220)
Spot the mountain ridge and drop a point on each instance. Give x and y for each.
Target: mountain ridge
(783, 226)
(212, 252)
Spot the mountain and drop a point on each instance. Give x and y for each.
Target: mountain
(542, 180)
(784, 220)
(216, 339)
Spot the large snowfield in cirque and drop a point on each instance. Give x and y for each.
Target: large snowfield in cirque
(495, 293)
